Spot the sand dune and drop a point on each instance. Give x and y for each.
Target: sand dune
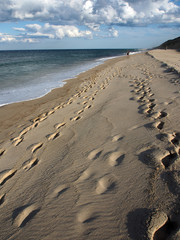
(97, 159)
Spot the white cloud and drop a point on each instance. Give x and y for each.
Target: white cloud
(66, 18)
(115, 33)
(7, 38)
(34, 32)
(19, 29)
(40, 35)
(128, 12)
(56, 31)
(90, 12)
(88, 7)
(29, 40)
(108, 14)
(69, 31)
(33, 27)
(150, 11)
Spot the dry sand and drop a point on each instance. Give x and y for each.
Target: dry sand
(96, 159)
(170, 57)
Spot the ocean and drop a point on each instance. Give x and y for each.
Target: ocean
(30, 74)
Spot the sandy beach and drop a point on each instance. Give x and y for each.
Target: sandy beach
(97, 159)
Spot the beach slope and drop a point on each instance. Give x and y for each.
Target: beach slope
(98, 159)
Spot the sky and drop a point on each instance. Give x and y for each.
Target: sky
(84, 24)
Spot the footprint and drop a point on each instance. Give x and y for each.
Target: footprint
(7, 176)
(85, 90)
(36, 119)
(17, 141)
(50, 112)
(165, 230)
(86, 175)
(52, 136)
(159, 125)
(95, 154)
(62, 106)
(176, 139)
(102, 87)
(87, 107)
(163, 114)
(42, 118)
(60, 125)
(157, 222)
(24, 131)
(163, 136)
(140, 98)
(147, 111)
(91, 98)
(148, 89)
(152, 100)
(117, 138)
(81, 111)
(26, 215)
(36, 147)
(2, 151)
(75, 118)
(169, 159)
(31, 164)
(86, 215)
(57, 107)
(151, 106)
(2, 198)
(69, 102)
(27, 129)
(59, 190)
(116, 158)
(151, 94)
(34, 125)
(137, 91)
(156, 115)
(104, 184)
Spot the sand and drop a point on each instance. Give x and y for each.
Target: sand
(96, 159)
(169, 57)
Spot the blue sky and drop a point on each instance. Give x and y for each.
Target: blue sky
(64, 24)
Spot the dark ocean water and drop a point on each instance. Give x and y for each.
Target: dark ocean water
(31, 74)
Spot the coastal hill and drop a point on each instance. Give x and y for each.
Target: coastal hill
(171, 44)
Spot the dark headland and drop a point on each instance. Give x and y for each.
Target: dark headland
(170, 44)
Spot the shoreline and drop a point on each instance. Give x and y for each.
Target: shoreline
(40, 89)
(22, 112)
(64, 81)
(80, 156)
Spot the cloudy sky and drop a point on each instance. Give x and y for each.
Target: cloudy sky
(34, 24)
